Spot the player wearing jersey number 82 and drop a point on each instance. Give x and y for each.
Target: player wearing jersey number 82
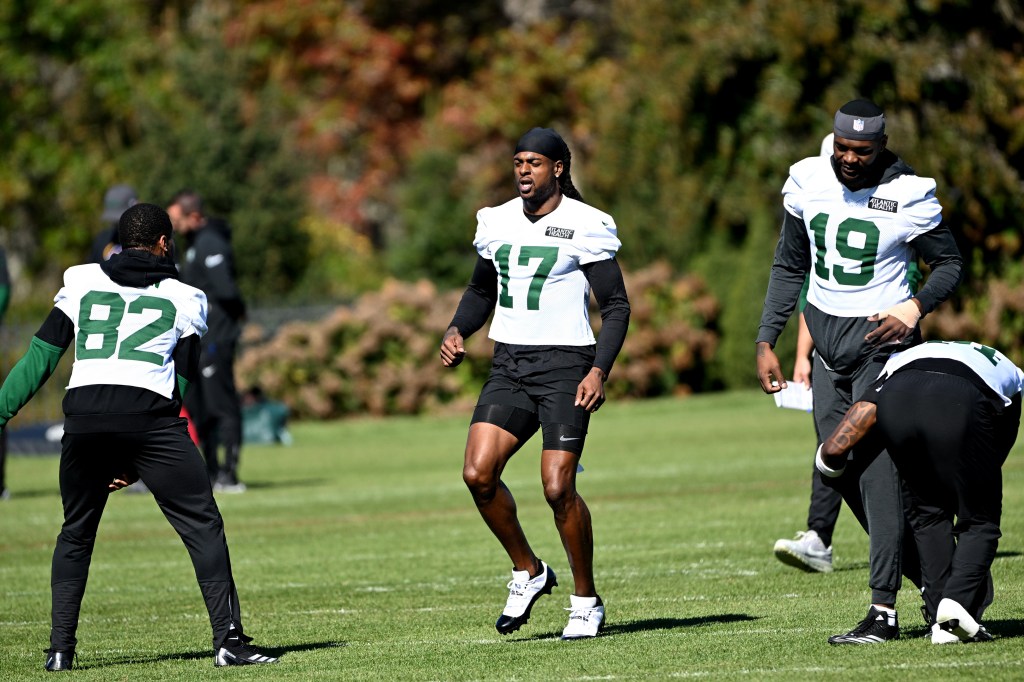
(539, 256)
(135, 332)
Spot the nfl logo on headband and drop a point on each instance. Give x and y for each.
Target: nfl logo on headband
(859, 120)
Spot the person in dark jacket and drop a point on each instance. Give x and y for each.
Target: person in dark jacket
(117, 200)
(216, 407)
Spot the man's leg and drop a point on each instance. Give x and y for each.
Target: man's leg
(85, 471)
(225, 409)
(976, 476)
(196, 403)
(488, 450)
(572, 517)
(823, 511)
(171, 466)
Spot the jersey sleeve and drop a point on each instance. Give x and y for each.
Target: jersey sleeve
(64, 301)
(600, 241)
(193, 314)
(484, 232)
(793, 190)
(921, 209)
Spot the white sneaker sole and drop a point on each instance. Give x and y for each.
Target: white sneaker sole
(788, 556)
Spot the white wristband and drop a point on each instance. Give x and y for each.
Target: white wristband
(907, 312)
(823, 468)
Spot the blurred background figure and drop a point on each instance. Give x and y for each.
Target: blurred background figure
(5, 297)
(214, 403)
(116, 201)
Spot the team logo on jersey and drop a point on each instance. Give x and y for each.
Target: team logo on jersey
(560, 232)
(887, 205)
(858, 125)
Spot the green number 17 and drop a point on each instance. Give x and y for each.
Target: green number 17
(548, 255)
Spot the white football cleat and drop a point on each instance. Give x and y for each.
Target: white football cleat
(523, 592)
(951, 616)
(586, 617)
(941, 636)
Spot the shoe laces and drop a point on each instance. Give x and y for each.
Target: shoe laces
(516, 589)
(583, 613)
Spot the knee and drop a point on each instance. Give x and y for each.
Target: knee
(482, 483)
(559, 494)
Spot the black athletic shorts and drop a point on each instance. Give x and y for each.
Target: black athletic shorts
(534, 386)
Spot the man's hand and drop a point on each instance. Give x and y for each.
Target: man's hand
(768, 371)
(122, 480)
(453, 350)
(590, 393)
(897, 323)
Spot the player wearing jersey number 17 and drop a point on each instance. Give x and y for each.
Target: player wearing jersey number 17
(539, 256)
(135, 332)
(854, 221)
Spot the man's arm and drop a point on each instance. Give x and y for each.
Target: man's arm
(831, 458)
(218, 259)
(789, 271)
(605, 278)
(36, 365)
(804, 348)
(186, 362)
(474, 309)
(939, 250)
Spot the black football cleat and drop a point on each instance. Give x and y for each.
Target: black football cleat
(877, 627)
(59, 660)
(238, 651)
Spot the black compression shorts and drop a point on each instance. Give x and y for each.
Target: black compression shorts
(533, 386)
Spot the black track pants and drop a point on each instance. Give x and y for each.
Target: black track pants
(172, 468)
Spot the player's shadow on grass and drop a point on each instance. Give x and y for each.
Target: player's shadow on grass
(649, 624)
(286, 483)
(276, 652)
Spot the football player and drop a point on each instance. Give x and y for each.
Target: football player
(948, 413)
(135, 333)
(539, 256)
(854, 221)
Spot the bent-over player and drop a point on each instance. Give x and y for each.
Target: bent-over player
(948, 413)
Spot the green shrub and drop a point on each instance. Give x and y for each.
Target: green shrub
(380, 355)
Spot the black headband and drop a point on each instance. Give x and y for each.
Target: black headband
(543, 141)
(859, 120)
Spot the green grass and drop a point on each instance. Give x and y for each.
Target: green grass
(359, 555)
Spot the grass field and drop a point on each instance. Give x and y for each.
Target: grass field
(359, 555)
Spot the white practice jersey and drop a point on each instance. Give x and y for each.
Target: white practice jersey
(543, 296)
(994, 368)
(125, 335)
(860, 240)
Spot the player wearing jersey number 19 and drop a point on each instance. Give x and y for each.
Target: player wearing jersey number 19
(135, 331)
(539, 256)
(854, 221)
